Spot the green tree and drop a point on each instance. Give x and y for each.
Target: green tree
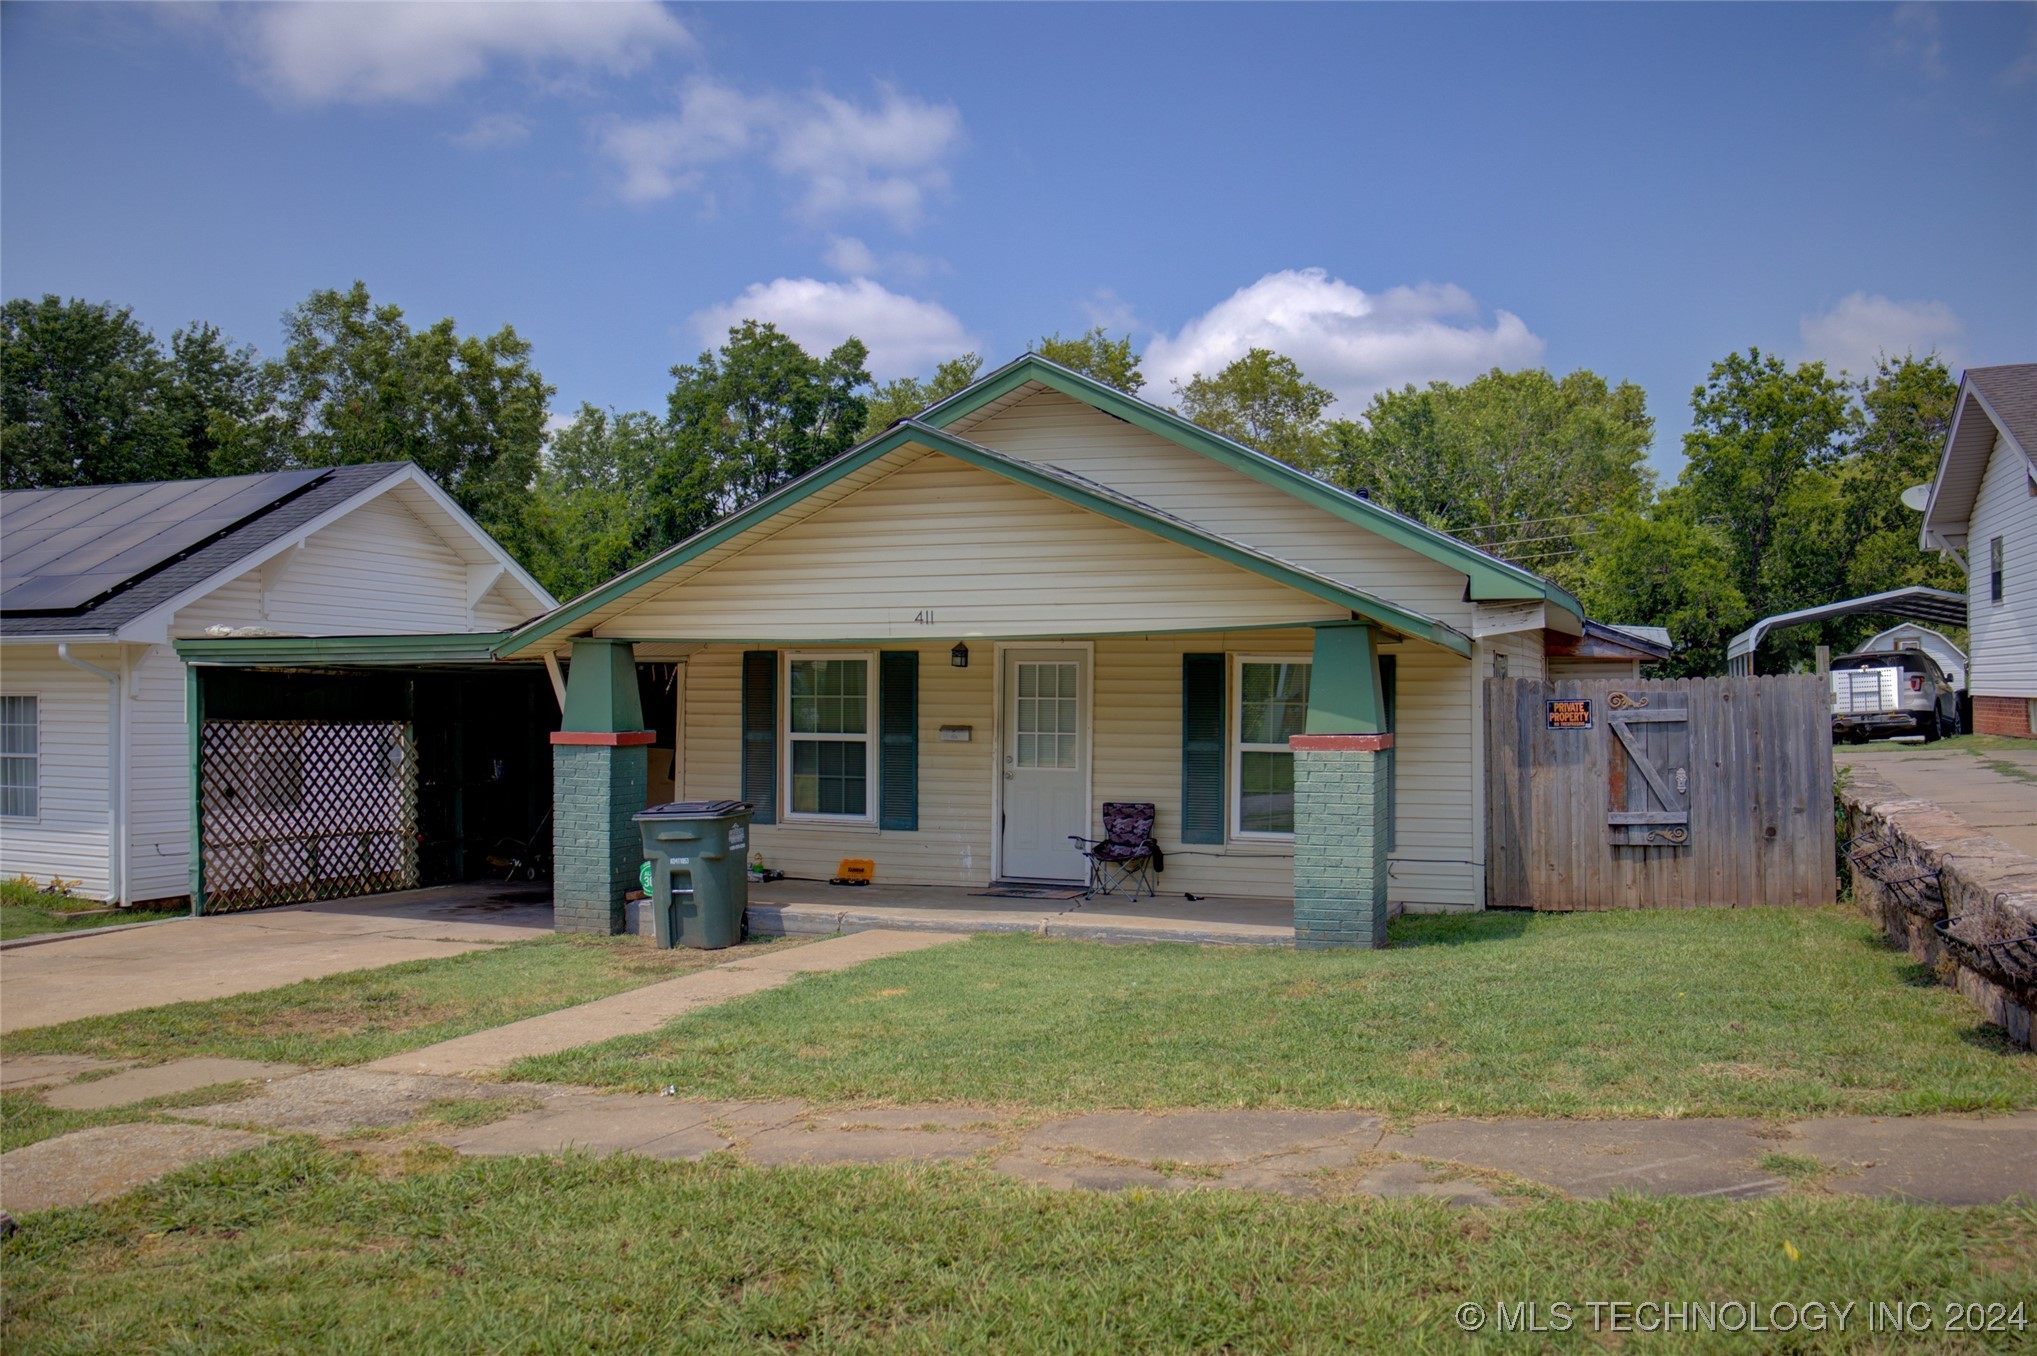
(86, 397)
(358, 384)
(1519, 463)
(591, 515)
(749, 418)
(905, 397)
(1096, 354)
(223, 401)
(1761, 431)
(1907, 406)
(1263, 401)
(1663, 569)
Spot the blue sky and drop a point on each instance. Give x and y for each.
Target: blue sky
(1386, 193)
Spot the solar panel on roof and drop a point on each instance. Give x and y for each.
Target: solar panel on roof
(60, 549)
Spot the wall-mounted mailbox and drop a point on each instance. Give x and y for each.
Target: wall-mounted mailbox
(955, 734)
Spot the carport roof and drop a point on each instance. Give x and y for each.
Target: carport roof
(1912, 604)
(412, 651)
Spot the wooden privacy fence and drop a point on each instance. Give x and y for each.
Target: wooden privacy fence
(1603, 794)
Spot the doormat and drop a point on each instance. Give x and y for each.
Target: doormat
(1027, 892)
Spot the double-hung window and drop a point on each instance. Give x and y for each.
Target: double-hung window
(1269, 703)
(20, 757)
(830, 732)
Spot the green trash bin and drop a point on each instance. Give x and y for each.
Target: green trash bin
(698, 885)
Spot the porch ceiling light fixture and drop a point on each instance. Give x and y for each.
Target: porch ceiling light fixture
(959, 656)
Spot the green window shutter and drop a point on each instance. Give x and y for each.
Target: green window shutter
(898, 739)
(760, 734)
(1389, 674)
(1202, 748)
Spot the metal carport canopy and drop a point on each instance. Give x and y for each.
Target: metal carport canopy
(1912, 604)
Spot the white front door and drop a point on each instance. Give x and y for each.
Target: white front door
(1045, 750)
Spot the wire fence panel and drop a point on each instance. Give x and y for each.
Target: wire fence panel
(297, 810)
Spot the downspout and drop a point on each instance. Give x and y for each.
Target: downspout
(116, 835)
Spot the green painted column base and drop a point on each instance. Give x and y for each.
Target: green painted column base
(597, 789)
(1340, 839)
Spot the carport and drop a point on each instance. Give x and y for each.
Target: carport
(331, 766)
(1934, 607)
(326, 767)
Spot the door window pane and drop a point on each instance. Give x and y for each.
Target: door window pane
(1047, 715)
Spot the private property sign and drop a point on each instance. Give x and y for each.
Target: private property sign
(1570, 713)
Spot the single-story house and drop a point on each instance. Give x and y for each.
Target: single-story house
(102, 725)
(1910, 636)
(1982, 512)
(948, 648)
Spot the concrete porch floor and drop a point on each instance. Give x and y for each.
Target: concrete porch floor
(802, 908)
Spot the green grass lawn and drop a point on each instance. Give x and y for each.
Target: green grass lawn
(1763, 1012)
(26, 911)
(364, 1015)
(294, 1248)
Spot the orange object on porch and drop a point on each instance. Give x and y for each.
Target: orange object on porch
(855, 871)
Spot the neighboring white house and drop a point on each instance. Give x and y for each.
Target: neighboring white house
(1983, 513)
(1910, 636)
(98, 583)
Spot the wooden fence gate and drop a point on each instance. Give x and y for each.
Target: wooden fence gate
(1603, 794)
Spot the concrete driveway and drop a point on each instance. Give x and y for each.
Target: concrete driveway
(90, 975)
(1994, 790)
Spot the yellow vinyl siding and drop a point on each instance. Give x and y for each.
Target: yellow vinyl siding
(951, 846)
(1135, 756)
(1056, 430)
(980, 554)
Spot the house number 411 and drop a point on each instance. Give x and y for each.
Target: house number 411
(924, 617)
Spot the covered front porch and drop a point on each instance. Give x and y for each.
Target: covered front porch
(807, 908)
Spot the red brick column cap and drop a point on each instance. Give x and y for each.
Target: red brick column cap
(606, 739)
(1359, 743)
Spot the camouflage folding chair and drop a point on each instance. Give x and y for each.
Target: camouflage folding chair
(1127, 854)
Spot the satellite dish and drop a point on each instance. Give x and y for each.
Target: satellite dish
(1916, 497)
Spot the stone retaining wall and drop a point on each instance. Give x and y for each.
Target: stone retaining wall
(1972, 867)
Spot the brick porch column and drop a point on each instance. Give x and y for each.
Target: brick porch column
(1340, 800)
(600, 779)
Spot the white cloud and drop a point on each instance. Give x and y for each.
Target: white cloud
(1106, 308)
(846, 254)
(324, 53)
(1912, 37)
(906, 336)
(1354, 342)
(846, 159)
(1861, 328)
(659, 158)
(493, 130)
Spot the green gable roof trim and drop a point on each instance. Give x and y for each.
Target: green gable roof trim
(1491, 579)
(1060, 485)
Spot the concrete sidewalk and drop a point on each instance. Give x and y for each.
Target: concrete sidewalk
(199, 958)
(648, 1008)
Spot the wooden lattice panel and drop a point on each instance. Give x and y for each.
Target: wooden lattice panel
(296, 810)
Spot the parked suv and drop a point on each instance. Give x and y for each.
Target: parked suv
(1892, 692)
